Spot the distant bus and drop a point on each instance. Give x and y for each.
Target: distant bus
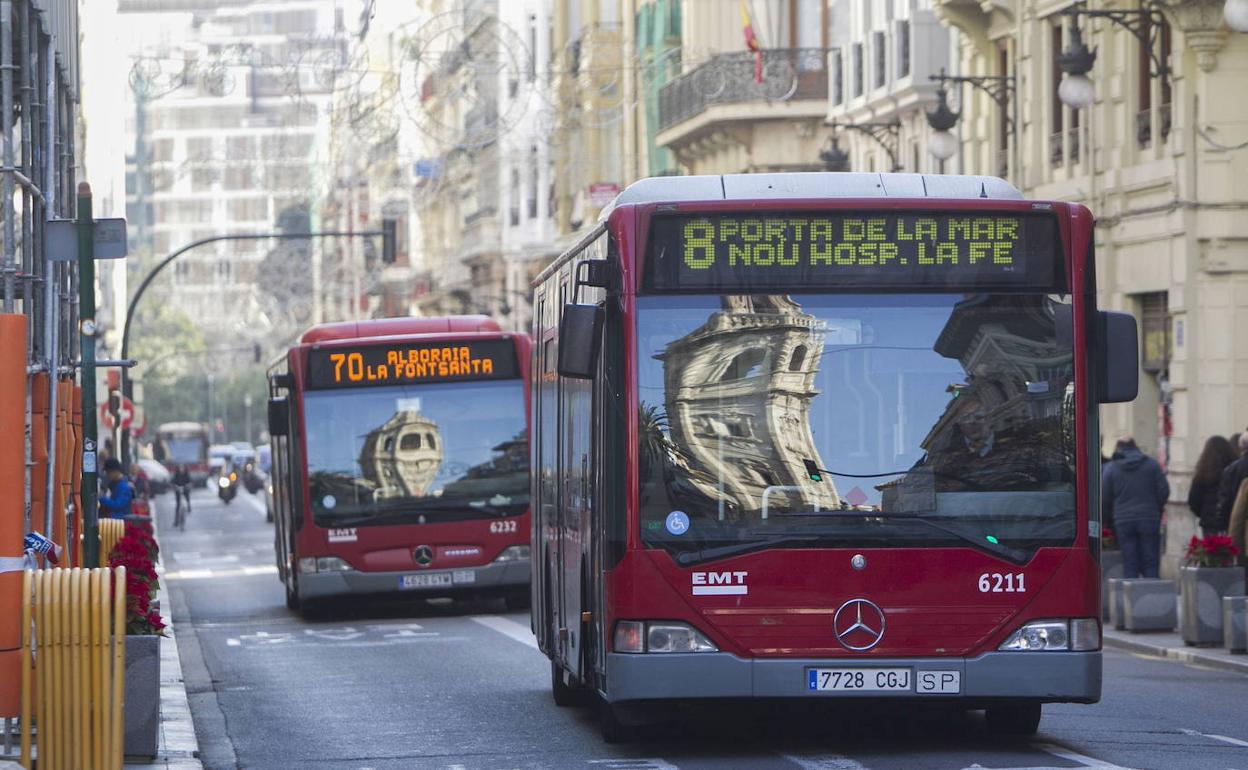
(400, 460)
(817, 436)
(184, 443)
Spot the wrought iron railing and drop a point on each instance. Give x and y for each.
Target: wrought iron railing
(1144, 125)
(1059, 152)
(785, 74)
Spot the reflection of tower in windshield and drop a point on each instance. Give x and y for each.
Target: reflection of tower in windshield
(738, 392)
(402, 456)
(1004, 428)
(503, 478)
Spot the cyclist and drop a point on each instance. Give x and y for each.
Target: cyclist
(181, 491)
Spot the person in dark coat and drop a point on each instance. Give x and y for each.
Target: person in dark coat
(1134, 491)
(1232, 476)
(1202, 497)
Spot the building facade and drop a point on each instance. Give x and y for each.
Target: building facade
(1159, 154)
(228, 117)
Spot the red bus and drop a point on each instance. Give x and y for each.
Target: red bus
(184, 443)
(823, 436)
(400, 460)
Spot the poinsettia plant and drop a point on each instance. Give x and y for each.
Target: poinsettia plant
(1211, 551)
(138, 553)
(1108, 541)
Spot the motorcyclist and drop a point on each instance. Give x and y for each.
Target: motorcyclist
(116, 501)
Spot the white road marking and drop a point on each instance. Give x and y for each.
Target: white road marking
(507, 627)
(1074, 756)
(824, 762)
(200, 574)
(1223, 738)
(634, 764)
(344, 634)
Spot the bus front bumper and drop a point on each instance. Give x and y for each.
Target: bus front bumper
(484, 579)
(1052, 677)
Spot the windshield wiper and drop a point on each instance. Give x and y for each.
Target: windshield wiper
(1014, 555)
(736, 549)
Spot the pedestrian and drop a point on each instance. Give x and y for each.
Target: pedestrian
(1202, 498)
(142, 487)
(1232, 476)
(117, 500)
(1134, 492)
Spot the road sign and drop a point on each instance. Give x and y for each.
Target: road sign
(62, 239)
(126, 413)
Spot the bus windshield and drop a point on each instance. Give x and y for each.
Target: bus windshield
(416, 454)
(184, 449)
(830, 420)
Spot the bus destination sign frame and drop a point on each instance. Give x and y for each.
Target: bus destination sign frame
(411, 363)
(830, 250)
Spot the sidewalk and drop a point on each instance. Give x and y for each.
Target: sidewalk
(1169, 644)
(177, 747)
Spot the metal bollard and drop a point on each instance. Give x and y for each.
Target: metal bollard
(1235, 623)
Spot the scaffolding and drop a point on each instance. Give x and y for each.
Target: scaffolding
(38, 121)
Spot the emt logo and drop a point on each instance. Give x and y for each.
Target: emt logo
(719, 583)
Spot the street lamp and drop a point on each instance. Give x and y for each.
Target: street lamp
(887, 134)
(943, 145)
(833, 157)
(1076, 89)
(1236, 14)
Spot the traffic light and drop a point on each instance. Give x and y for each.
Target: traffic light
(813, 471)
(389, 232)
(256, 352)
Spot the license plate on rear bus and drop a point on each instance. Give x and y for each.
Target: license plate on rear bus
(428, 580)
(859, 679)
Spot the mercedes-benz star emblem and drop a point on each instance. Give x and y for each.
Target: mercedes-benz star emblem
(859, 561)
(423, 555)
(858, 625)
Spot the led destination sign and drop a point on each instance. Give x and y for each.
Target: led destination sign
(850, 249)
(412, 363)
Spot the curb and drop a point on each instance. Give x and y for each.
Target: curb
(1190, 655)
(177, 745)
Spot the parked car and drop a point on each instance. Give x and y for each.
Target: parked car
(159, 478)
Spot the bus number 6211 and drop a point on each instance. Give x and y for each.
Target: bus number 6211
(997, 583)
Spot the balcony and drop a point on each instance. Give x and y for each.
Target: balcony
(788, 75)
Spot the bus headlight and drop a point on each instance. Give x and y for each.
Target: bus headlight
(676, 637)
(331, 564)
(636, 636)
(309, 564)
(1076, 634)
(514, 553)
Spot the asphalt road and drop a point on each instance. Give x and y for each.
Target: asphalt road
(390, 684)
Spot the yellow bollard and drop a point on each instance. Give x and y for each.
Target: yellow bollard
(28, 577)
(72, 651)
(119, 665)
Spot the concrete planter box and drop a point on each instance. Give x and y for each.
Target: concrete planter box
(1148, 604)
(1202, 591)
(142, 706)
(1235, 623)
(1111, 568)
(1113, 587)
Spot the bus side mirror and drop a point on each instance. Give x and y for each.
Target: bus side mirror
(1119, 364)
(580, 328)
(279, 416)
